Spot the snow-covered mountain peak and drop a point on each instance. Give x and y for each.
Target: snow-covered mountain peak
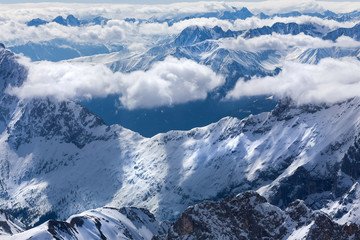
(101, 223)
(11, 72)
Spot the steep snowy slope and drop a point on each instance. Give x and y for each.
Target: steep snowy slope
(300, 146)
(244, 216)
(350, 32)
(311, 29)
(313, 56)
(102, 223)
(196, 34)
(62, 49)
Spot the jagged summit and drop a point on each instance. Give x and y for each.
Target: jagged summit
(352, 32)
(250, 216)
(70, 20)
(101, 223)
(195, 34)
(11, 72)
(244, 216)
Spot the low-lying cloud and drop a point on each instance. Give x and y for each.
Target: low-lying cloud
(168, 82)
(118, 30)
(255, 22)
(49, 10)
(14, 30)
(283, 42)
(331, 80)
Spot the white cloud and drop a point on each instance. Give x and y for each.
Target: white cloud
(203, 22)
(114, 31)
(169, 82)
(255, 22)
(19, 33)
(283, 42)
(331, 80)
(14, 30)
(120, 31)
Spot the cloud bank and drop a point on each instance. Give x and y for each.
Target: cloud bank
(330, 81)
(283, 42)
(118, 30)
(119, 11)
(169, 82)
(14, 30)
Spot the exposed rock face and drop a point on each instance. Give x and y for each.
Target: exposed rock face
(250, 216)
(351, 161)
(245, 216)
(51, 119)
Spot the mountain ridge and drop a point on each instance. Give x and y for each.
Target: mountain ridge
(244, 216)
(167, 164)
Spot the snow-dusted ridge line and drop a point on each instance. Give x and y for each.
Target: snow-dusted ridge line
(244, 216)
(101, 223)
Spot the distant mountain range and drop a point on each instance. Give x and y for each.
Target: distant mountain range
(234, 14)
(244, 13)
(70, 20)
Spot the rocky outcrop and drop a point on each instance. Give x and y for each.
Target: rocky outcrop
(250, 216)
